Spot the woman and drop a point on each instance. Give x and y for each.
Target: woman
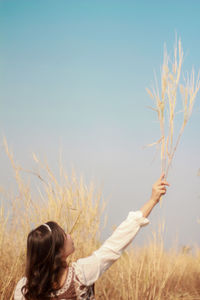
(47, 274)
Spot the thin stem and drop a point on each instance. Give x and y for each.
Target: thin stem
(174, 150)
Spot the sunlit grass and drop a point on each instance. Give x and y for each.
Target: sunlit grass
(174, 95)
(141, 273)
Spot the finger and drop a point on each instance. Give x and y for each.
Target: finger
(163, 191)
(162, 188)
(162, 176)
(165, 183)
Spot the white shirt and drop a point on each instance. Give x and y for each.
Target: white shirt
(90, 268)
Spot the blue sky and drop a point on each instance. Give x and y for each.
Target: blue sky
(73, 76)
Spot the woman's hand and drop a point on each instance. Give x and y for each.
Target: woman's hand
(159, 189)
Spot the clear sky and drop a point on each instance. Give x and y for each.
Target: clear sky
(73, 76)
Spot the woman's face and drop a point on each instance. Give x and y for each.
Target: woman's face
(68, 246)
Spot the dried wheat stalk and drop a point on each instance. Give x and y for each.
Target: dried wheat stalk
(173, 87)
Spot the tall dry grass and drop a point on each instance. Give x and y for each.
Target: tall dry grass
(68, 201)
(141, 273)
(174, 87)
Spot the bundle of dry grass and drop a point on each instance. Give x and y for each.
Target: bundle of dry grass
(173, 87)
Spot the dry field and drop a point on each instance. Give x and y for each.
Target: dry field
(141, 273)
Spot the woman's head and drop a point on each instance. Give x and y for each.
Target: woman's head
(48, 246)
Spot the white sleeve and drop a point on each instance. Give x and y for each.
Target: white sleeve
(89, 269)
(18, 294)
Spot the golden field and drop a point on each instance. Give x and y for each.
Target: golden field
(141, 273)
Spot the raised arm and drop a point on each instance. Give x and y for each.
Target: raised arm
(89, 269)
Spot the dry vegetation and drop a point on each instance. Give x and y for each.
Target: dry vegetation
(141, 273)
(174, 86)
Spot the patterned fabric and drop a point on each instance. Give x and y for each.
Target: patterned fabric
(73, 289)
(86, 271)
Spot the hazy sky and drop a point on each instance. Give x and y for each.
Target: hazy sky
(73, 76)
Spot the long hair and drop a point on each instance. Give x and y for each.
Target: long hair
(44, 262)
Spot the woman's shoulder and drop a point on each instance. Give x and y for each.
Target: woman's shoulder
(18, 294)
(78, 271)
(87, 269)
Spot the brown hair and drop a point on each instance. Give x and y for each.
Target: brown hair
(44, 262)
